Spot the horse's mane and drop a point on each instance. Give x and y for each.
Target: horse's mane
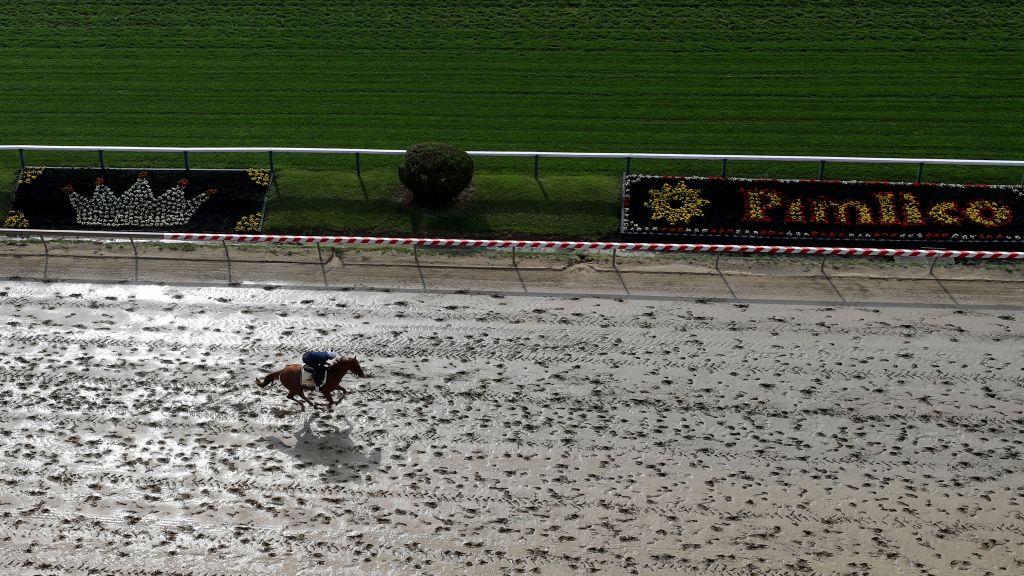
(337, 360)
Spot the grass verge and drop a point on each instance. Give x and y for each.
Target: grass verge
(502, 205)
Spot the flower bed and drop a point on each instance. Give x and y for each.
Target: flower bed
(147, 200)
(821, 212)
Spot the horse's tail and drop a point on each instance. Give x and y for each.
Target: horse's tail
(268, 378)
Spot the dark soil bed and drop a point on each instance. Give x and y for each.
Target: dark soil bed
(822, 213)
(46, 204)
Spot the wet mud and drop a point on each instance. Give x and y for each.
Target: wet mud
(505, 435)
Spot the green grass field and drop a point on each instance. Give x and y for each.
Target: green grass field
(935, 79)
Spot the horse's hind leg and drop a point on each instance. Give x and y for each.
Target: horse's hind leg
(297, 401)
(302, 394)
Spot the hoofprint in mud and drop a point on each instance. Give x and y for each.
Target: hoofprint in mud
(504, 435)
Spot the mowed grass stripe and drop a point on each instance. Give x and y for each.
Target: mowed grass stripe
(499, 24)
(872, 78)
(844, 104)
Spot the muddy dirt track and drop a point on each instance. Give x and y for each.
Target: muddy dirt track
(691, 420)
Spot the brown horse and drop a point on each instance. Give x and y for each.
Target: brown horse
(291, 377)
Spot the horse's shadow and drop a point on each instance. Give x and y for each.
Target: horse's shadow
(331, 446)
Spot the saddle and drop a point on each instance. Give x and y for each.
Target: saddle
(306, 380)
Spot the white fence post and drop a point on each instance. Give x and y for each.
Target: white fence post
(323, 267)
(136, 251)
(228, 258)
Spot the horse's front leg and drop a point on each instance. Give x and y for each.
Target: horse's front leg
(327, 395)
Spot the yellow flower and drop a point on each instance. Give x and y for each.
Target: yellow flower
(662, 208)
(15, 219)
(988, 213)
(250, 223)
(259, 177)
(30, 173)
(944, 213)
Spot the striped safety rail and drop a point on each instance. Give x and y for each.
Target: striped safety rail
(625, 246)
(518, 244)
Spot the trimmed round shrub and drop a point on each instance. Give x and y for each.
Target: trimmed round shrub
(436, 173)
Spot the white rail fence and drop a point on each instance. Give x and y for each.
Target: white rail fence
(628, 157)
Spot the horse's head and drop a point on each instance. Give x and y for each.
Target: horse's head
(348, 364)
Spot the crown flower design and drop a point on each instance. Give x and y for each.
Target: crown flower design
(138, 206)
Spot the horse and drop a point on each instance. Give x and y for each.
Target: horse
(291, 377)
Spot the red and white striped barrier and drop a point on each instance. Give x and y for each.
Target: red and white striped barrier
(626, 246)
(521, 244)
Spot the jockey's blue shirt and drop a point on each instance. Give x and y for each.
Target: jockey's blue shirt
(318, 361)
(318, 358)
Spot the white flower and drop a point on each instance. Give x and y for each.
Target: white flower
(138, 206)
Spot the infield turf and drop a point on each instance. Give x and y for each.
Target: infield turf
(935, 79)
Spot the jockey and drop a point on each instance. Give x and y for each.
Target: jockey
(318, 362)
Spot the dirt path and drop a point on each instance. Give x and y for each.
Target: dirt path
(516, 432)
(636, 276)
